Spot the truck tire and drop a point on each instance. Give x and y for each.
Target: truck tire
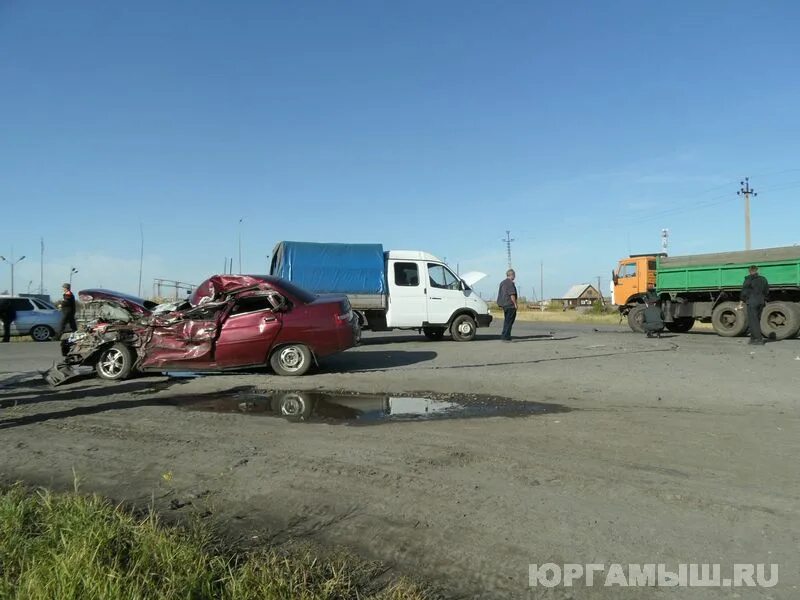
(680, 325)
(636, 318)
(728, 320)
(434, 333)
(463, 328)
(780, 320)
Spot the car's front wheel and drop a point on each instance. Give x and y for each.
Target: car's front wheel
(42, 333)
(463, 328)
(115, 362)
(293, 359)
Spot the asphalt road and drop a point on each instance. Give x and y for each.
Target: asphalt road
(678, 450)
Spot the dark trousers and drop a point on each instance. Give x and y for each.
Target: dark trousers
(7, 329)
(67, 318)
(754, 311)
(509, 316)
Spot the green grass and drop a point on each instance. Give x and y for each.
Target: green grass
(70, 546)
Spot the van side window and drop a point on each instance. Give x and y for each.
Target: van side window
(406, 274)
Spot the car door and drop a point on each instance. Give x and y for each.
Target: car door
(25, 317)
(445, 295)
(184, 339)
(407, 301)
(248, 332)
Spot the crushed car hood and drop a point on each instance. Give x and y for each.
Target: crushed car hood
(134, 305)
(472, 277)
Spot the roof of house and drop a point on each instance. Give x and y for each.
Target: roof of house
(575, 291)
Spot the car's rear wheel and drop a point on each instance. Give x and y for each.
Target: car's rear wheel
(292, 359)
(42, 333)
(115, 362)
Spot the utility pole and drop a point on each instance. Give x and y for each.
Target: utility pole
(664, 240)
(507, 241)
(541, 280)
(41, 267)
(746, 191)
(72, 271)
(600, 290)
(141, 256)
(240, 247)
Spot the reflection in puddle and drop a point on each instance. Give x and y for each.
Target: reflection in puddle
(354, 408)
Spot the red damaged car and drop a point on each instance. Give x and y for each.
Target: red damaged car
(230, 322)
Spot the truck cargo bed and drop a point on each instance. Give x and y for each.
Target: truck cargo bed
(744, 257)
(727, 270)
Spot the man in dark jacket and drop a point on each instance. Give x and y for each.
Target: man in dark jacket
(67, 311)
(507, 300)
(754, 292)
(653, 319)
(7, 315)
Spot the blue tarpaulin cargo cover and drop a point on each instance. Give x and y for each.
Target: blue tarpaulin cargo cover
(330, 268)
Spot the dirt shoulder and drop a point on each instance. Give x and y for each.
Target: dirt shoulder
(674, 450)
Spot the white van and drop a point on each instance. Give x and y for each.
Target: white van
(396, 289)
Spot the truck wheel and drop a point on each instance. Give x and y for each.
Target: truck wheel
(293, 359)
(434, 333)
(680, 325)
(115, 363)
(729, 320)
(463, 328)
(636, 318)
(780, 320)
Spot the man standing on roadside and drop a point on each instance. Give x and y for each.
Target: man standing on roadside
(67, 311)
(507, 300)
(754, 292)
(7, 314)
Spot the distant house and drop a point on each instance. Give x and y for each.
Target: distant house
(583, 294)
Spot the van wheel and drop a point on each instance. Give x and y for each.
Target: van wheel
(293, 359)
(115, 363)
(636, 318)
(434, 333)
(42, 333)
(463, 328)
(729, 320)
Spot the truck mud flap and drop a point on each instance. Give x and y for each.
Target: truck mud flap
(62, 373)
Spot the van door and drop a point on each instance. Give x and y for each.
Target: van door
(445, 295)
(407, 301)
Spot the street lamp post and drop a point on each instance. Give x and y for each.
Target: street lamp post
(240, 246)
(13, 263)
(72, 271)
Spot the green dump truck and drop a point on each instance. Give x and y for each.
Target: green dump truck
(706, 288)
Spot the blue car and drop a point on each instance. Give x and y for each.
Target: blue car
(36, 318)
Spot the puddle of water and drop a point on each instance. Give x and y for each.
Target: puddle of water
(356, 408)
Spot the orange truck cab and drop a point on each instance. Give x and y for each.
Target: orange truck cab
(632, 279)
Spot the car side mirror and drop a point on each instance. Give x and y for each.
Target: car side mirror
(614, 278)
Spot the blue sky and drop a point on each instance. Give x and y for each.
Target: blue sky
(584, 128)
